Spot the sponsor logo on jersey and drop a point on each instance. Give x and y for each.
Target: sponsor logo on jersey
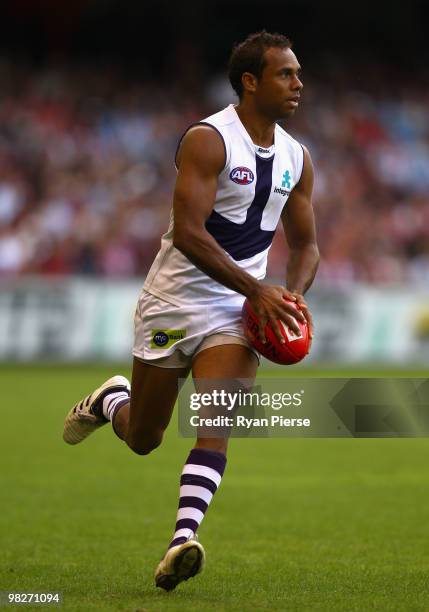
(286, 179)
(282, 191)
(261, 150)
(242, 175)
(164, 338)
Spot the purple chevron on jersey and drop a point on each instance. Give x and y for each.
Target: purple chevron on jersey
(244, 240)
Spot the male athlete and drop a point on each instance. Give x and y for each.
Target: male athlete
(239, 173)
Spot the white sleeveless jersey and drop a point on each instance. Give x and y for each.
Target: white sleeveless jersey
(252, 190)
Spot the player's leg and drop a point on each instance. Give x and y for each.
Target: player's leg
(139, 413)
(141, 422)
(204, 467)
(226, 362)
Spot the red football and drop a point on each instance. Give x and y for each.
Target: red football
(293, 350)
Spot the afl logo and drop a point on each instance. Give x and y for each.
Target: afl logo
(242, 175)
(160, 339)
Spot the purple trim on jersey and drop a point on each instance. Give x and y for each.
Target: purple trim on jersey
(244, 240)
(187, 130)
(303, 161)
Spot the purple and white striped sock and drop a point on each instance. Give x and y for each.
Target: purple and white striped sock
(112, 402)
(199, 481)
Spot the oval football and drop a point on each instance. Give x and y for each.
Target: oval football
(294, 349)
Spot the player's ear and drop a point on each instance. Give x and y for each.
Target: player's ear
(249, 82)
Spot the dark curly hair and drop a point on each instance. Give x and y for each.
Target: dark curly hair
(248, 56)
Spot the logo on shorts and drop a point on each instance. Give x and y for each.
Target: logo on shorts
(160, 338)
(164, 338)
(242, 175)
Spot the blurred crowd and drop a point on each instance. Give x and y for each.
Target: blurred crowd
(87, 172)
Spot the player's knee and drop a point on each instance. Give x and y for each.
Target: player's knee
(143, 445)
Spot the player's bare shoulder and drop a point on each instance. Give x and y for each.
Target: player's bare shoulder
(202, 146)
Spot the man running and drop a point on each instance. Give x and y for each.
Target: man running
(239, 173)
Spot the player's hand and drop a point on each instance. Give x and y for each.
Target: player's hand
(269, 304)
(307, 314)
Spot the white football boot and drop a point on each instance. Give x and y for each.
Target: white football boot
(80, 421)
(180, 563)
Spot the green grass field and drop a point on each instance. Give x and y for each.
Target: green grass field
(314, 524)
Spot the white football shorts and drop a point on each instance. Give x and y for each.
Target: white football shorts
(170, 336)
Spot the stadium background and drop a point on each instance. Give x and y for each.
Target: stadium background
(93, 97)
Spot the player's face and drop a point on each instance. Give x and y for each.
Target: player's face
(278, 90)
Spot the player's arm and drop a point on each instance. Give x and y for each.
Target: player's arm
(200, 160)
(300, 232)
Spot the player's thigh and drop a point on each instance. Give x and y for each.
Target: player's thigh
(154, 392)
(225, 361)
(230, 367)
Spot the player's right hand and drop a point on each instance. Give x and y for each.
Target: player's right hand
(269, 304)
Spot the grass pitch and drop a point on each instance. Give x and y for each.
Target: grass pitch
(315, 524)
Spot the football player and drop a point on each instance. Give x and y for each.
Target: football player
(238, 174)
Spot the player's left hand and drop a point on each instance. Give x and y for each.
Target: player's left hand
(307, 314)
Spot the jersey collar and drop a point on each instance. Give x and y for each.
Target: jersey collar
(265, 152)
